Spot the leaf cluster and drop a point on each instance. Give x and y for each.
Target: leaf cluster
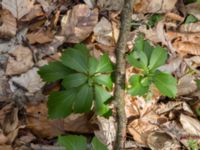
(85, 81)
(148, 58)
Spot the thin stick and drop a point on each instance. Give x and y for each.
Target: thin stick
(120, 74)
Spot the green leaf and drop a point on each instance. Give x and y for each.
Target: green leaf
(137, 87)
(97, 145)
(53, 71)
(104, 80)
(101, 96)
(83, 101)
(93, 64)
(76, 59)
(158, 58)
(190, 19)
(165, 83)
(131, 58)
(60, 103)
(154, 19)
(148, 49)
(73, 142)
(198, 83)
(74, 80)
(193, 144)
(104, 65)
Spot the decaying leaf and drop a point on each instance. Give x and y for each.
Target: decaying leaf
(79, 23)
(191, 27)
(40, 37)
(186, 85)
(18, 8)
(8, 25)
(103, 32)
(6, 147)
(162, 141)
(30, 81)
(153, 6)
(190, 125)
(19, 61)
(110, 4)
(194, 9)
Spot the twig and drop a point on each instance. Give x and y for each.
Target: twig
(120, 74)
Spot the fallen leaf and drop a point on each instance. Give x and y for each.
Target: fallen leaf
(153, 6)
(6, 147)
(110, 5)
(40, 37)
(19, 61)
(103, 32)
(8, 26)
(3, 138)
(194, 9)
(162, 141)
(30, 81)
(79, 22)
(191, 27)
(18, 8)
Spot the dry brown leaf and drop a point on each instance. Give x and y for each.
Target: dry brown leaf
(153, 6)
(3, 138)
(190, 125)
(194, 9)
(103, 32)
(19, 61)
(162, 141)
(8, 26)
(79, 22)
(191, 27)
(36, 11)
(18, 8)
(40, 37)
(6, 147)
(110, 5)
(30, 81)
(186, 85)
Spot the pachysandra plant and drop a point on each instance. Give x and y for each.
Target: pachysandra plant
(149, 59)
(85, 81)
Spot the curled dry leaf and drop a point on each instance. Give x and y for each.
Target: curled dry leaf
(103, 32)
(194, 9)
(190, 125)
(18, 8)
(186, 85)
(40, 37)
(30, 81)
(162, 141)
(154, 6)
(79, 22)
(8, 25)
(19, 61)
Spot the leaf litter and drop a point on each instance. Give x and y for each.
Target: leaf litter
(38, 30)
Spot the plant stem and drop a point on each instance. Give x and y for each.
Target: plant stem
(120, 74)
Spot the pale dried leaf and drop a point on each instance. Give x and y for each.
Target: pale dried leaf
(30, 81)
(6, 147)
(79, 22)
(162, 141)
(154, 6)
(110, 4)
(8, 28)
(186, 85)
(18, 8)
(191, 27)
(194, 9)
(19, 61)
(3, 138)
(103, 32)
(190, 125)
(40, 37)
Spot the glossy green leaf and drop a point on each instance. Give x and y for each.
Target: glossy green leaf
(104, 65)
(83, 101)
(93, 65)
(76, 59)
(53, 71)
(136, 86)
(104, 80)
(165, 83)
(101, 96)
(60, 103)
(74, 80)
(134, 60)
(97, 145)
(158, 58)
(73, 142)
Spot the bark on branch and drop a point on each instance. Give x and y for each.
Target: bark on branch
(120, 74)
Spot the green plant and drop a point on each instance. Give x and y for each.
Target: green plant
(190, 19)
(154, 19)
(193, 145)
(84, 79)
(148, 59)
(75, 142)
